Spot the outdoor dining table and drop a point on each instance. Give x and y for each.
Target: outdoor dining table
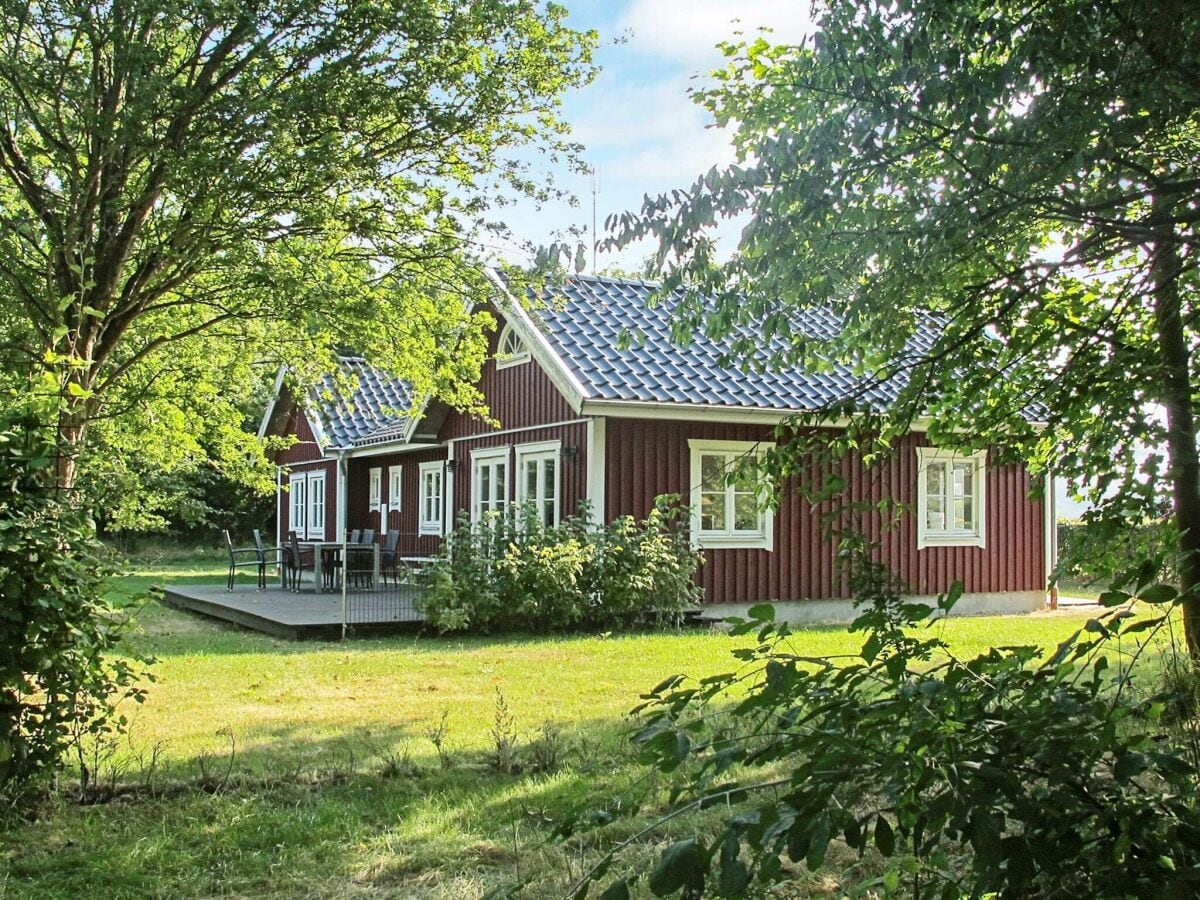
(320, 548)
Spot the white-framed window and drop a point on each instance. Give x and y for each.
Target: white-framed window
(395, 488)
(429, 477)
(727, 507)
(510, 349)
(951, 498)
(538, 478)
(298, 492)
(307, 492)
(316, 506)
(489, 482)
(375, 489)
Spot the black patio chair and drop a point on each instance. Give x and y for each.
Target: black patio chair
(294, 563)
(361, 561)
(270, 555)
(237, 561)
(389, 557)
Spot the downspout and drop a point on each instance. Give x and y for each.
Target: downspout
(1050, 538)
(279, 519)
(448, 491)
(342, 471)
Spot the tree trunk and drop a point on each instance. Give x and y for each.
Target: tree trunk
(1165, 268)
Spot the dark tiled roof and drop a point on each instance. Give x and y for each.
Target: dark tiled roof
(375, 412)
(585, 318)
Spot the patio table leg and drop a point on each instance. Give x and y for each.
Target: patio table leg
(375, 566)
(318, 584)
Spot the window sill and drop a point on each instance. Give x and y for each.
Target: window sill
(434, 530)
(512, 361)
(730, 542)
(950, 540)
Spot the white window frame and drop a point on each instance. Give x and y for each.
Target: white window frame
(425, 524)
(541, 451)
(298, 503)
(374, 489)
(316, 501)
(395, 491)
(489, 456)
(505, 360)
(762, 537)
(949, 537)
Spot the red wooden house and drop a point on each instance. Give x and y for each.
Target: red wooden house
(582, 418)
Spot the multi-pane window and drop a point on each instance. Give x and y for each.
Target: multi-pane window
(489, 483)
(727, 507)
(316, 505)
(537, 465)
(950, 498)
(430, 498)
(307, 506)
(395, 488)
(375, 488)
(298, 491)
(510, 350)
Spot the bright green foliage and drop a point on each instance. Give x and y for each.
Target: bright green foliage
(513, 573)
(57, 682)
(1013, 773)
(1027, 173)
(195, 192)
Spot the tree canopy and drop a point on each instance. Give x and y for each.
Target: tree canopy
(194, 192)
(1028, 173)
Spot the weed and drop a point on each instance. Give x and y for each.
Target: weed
(504, 738)
(437, 736)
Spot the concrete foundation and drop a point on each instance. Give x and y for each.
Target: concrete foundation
(832, 612)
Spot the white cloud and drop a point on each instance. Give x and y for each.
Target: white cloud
(689, 30)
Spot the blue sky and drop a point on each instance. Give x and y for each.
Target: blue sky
(636, 120)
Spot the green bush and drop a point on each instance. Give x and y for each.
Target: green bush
(512, 573)
(58, 682)
(1017, 773)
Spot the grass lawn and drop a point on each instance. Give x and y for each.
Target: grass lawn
(262, 767)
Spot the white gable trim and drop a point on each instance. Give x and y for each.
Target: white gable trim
(538, 345)
(272, 403)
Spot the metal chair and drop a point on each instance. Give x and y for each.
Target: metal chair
(361, 559)
(390, 557)
(275, 553)
(258, 561)
(294, 564)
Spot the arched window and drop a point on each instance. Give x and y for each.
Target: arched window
(511, 350)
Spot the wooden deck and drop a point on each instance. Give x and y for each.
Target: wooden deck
(306, 615)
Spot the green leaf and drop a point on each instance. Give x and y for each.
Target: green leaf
(885, 837)
(682, 864)
(618, 890)
(1159, 593)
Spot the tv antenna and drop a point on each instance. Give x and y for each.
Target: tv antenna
(595, 173)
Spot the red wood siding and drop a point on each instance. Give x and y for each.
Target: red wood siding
(573, 471)
(646, 458)
(360, 515)
(517, 397)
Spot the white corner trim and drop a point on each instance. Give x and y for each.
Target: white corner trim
(763, 539)
(597, 455)
(975, 538)
(340, 513)
(449, 512)
(1050, 529)
(538, 345)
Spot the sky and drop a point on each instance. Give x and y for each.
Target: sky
(640, 128)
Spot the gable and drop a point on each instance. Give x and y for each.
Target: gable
(517, 395)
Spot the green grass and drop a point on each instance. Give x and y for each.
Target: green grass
(290, 769)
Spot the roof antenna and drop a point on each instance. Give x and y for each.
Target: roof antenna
(595, 170)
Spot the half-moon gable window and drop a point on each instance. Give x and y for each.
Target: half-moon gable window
(511, 351)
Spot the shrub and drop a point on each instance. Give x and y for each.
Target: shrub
(58, 682)
(1015, 773)
(514, 573)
